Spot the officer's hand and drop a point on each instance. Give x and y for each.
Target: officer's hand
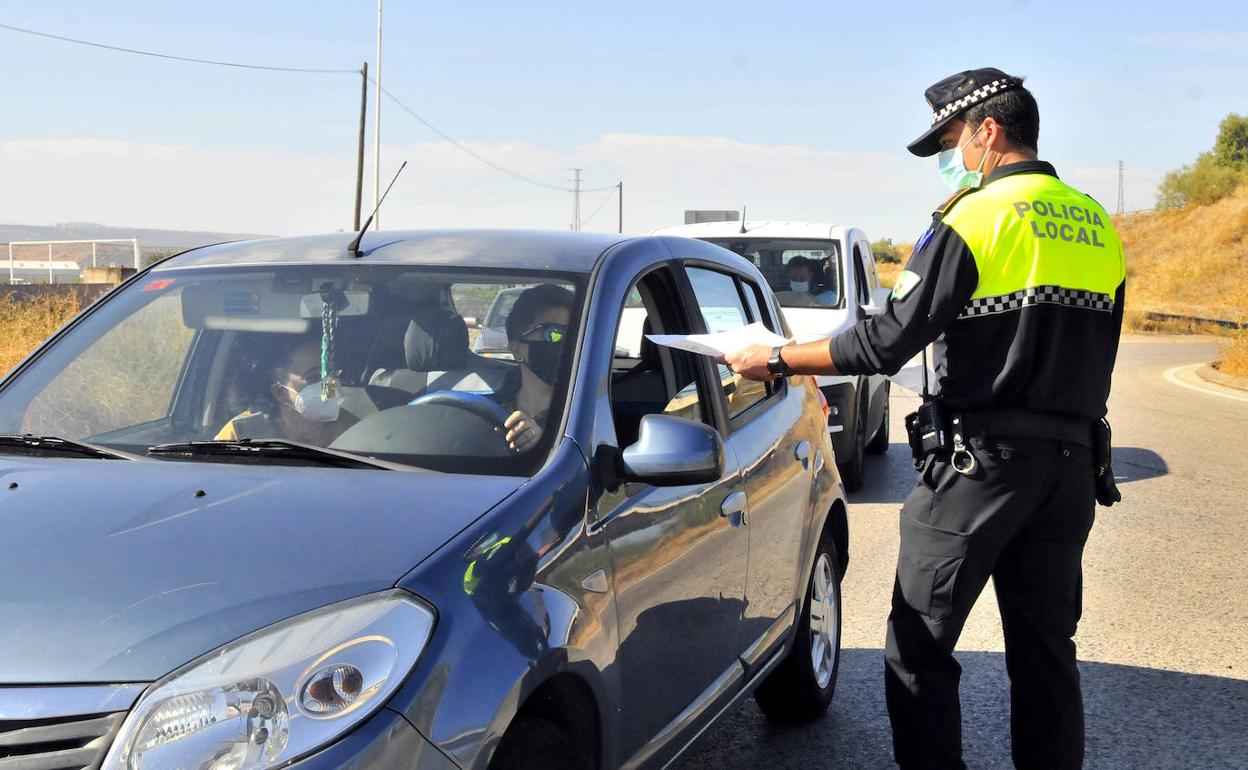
(751, 362)
(522, 431)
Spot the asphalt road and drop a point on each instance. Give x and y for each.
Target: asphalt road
(1163, 644)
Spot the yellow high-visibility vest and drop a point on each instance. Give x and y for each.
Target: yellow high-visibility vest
(1037, 239)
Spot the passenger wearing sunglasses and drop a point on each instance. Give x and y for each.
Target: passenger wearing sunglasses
(537, 328)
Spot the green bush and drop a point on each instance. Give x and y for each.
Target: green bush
(1230, 149)
(885, 251)
(1203, 182)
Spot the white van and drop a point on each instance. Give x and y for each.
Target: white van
(842, 287)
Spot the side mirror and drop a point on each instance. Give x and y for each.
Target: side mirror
(879, 300)
(672, 451)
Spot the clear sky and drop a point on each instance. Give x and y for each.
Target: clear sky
(800, 110)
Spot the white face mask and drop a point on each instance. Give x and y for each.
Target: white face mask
(953, 170)
(799, 285)
(311, 406)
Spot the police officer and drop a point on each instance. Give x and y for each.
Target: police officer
(1019, 283)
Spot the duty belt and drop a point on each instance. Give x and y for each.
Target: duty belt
(1013, 423)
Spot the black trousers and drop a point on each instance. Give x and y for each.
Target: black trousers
(1022, 518)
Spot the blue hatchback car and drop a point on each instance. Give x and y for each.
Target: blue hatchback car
(263, 507)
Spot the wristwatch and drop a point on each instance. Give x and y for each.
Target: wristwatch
(776, 365)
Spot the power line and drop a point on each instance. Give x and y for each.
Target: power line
(313, 70)
(481, 159)
(122, 49)
(602, 203)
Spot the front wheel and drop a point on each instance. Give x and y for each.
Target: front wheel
(535, 743)
(801, 687)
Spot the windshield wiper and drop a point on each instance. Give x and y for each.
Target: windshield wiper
(249, 449)
(56, 445)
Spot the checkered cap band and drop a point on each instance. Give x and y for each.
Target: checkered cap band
(1038, 295)
(974, 97)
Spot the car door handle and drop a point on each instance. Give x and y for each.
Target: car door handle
(802, 453)
(733, 509)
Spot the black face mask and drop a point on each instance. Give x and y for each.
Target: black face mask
(543, 359)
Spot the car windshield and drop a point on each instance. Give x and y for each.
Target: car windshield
(802, 273)
(374, 360)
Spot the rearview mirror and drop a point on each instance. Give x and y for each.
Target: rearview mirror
(354, 303)
(672, 451)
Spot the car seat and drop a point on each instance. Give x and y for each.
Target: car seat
(434, 341)
(435, 347)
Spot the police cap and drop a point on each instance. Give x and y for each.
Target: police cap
(954, 95)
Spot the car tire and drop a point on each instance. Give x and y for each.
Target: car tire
(536, 743)
(852, 468)
(878, 444)
(801, 688)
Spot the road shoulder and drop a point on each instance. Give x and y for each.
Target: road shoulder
(1188, 377)
(1210, 374)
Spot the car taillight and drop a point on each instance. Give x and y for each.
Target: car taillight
(823, 403)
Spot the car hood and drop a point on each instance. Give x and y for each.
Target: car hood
(121, 571)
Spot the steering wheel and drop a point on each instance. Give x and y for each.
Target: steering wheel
(474, 403)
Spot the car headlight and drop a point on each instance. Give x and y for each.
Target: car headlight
(277, 694)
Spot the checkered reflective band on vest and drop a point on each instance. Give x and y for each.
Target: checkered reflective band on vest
(1037, 241)
(1053, 295)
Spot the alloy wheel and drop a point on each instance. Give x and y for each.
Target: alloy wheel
(824, 630)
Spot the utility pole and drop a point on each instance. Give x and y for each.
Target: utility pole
(359, 155)
(1120, 189)
(576, 199)
(377, 128)
(620, 193)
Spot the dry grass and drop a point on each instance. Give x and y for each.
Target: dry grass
(1235, 357)
(26, 322)
(888, 272)
(1191, 261)
(125, 378)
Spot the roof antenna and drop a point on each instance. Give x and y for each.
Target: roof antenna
(353, 251)
(742, 230)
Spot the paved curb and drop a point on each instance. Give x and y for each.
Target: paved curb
(1209, 374)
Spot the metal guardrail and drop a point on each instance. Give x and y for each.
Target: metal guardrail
(1232, 325)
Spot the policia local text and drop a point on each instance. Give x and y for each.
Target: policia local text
(1065, 232)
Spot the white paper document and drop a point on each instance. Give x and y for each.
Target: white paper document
(721, 343)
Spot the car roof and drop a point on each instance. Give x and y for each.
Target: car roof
(758, 229)
(521, 249)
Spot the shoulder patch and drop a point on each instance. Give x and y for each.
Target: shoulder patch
(923, 239)
(906, 283)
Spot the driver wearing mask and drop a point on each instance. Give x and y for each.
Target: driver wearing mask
(801, 280)
(537, 328)
(291, 405)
